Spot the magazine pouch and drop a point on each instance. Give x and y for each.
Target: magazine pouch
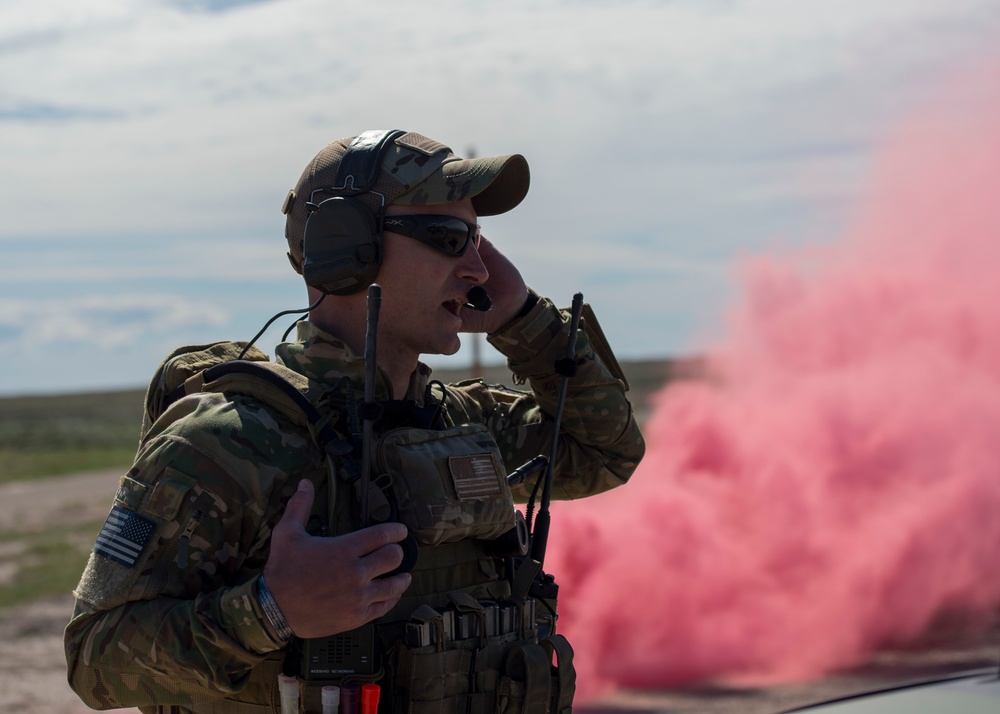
(481, 657)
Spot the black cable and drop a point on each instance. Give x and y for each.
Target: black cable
(284, 335)
(271, 321)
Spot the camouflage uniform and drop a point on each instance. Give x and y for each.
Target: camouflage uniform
(179, 624)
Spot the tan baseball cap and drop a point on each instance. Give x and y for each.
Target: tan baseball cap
(415, 171)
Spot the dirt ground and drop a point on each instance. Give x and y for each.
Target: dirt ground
(32, 664)
(33, 669)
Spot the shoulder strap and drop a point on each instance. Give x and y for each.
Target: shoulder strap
(279, 387)
(216, 367)
(167, 383)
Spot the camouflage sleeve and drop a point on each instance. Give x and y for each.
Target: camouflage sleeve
(166, 609)
(599, 445)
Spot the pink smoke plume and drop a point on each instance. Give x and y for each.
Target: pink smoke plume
(838, 487)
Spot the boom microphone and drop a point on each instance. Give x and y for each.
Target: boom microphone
(478, 299)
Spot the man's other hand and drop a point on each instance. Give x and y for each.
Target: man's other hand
(505, 287)
(325, 586)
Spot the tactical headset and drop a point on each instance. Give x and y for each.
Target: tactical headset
(342, 242)
(342, 245)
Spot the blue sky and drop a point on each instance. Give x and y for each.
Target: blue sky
(145, 149)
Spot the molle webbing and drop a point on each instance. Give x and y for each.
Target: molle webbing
(450, 567)
(498, 676)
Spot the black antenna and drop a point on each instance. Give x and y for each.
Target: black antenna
(369, 408)
(567, 368)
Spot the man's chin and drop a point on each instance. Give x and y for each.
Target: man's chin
(449, 348)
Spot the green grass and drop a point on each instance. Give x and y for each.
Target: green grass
(65, 434)
(43, 563)
(19, 464)
(71, 420)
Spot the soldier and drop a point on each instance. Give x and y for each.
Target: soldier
(236, 540)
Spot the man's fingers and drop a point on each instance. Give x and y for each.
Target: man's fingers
(368, 540)
(390, 588)
(382, 561)
(299, 506)
(386, 593)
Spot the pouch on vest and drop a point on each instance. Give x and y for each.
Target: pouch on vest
(481, 658)
(448, 485)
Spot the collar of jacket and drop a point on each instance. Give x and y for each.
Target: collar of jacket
(322, 357)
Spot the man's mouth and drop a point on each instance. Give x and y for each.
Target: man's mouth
(454, 307)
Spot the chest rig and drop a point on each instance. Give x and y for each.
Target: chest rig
(472, 633)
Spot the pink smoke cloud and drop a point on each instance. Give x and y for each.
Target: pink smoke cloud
(838, 488)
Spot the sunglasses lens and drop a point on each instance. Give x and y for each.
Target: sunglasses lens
(445, 233)
(450, 235)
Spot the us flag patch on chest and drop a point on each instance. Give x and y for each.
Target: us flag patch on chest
(475, 477)
(124, 535)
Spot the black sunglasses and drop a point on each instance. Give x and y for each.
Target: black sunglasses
(448, 234)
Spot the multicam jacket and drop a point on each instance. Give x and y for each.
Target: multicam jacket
(174, 619)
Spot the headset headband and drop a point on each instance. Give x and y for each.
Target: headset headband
(359, 167)
(342, 245)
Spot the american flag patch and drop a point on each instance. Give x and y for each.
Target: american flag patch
(475, 477)
(123, 536)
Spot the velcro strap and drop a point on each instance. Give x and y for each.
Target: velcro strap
(565, 679)
(566, 367)
(524, 575)
(426, 614)
(531, 664)
(599, 343)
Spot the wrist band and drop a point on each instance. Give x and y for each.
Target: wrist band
(529, 302)
(270, 608)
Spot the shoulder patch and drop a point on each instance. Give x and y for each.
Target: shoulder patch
(124, 536)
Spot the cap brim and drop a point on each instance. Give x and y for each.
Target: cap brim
(496, 184)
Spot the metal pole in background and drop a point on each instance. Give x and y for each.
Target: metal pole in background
(477, 365)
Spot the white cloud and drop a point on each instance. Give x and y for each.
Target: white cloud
(104, 322)
(181, 115)
(140, 260)
(158, 138)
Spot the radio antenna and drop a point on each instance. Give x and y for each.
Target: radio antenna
(567, 368)
(370, 410)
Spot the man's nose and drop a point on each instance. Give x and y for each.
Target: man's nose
(471, 267)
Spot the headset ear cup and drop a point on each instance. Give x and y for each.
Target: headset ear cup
(342, 247)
